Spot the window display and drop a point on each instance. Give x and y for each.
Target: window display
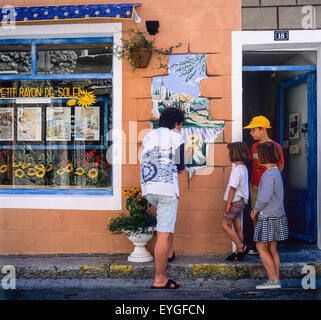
(53, 130)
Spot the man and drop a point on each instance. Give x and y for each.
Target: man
(259, 131)
(162, 158)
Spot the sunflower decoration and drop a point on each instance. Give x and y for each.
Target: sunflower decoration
(196, 143)
(40, 167)
(49, 167)
(61, 171)
(71, 102)
(40, 173)
(3, 168)
(86, 98)
(31, 172)
(26, 165)
(69, 167)
(80, 171)
(93, 173)
(16, 164)
(19, 173)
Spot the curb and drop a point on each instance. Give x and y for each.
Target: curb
(146, 271)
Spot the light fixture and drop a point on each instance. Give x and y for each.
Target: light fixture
(152, 27)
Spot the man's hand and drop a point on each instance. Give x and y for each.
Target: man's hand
(227, 207)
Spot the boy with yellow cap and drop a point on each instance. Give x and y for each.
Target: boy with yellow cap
(259, 131)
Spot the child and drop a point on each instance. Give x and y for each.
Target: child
(272, 225)
(236, 196)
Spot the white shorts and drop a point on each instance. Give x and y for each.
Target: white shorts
(166, 211)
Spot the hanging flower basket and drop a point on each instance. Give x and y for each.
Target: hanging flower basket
(141, 57)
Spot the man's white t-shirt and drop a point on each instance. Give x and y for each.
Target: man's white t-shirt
(158, 171)
(239, 181)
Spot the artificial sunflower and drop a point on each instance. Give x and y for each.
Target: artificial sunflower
(71, 102)
(79, 171)
(93, 173)
(61, 171)
(69, 167)
(31, 171)
(3, 168)
(16, 164)
(40, 167)
(26, 165)
(49, 167)
(19, 173)
(192, 138)
(40, 173)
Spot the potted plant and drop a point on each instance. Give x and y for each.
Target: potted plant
(138, 224)
(138, 50)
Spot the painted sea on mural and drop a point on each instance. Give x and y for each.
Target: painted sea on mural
(181, 89)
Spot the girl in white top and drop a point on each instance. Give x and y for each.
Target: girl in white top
(236, 197)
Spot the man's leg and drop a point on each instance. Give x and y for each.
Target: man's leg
(171, 250)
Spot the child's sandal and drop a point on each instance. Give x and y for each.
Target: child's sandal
(232, 256)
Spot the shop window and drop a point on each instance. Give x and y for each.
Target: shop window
(15, 59)
(54, 123)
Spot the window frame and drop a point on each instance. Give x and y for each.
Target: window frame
(75, 33)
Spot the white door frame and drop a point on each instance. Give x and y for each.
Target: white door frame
(264, 41)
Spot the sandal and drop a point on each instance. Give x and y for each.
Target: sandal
(241, 255)
(231, 257)
(172, 258)
(168, 285)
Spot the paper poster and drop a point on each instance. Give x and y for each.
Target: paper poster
(29, 124)
(6, 124)
(87, 123)
(294, 126)
(58, 124)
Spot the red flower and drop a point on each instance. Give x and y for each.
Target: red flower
(94, 151)
(63, 154)
(64, 164)
(97, 159)
(88, 154)
(78, 162)
(106, 164)
(96, 164)
(87, 163)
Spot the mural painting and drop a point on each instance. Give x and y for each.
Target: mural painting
(181, 89)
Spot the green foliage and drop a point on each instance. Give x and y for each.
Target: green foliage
(137, 220)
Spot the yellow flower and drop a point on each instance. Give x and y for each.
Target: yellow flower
(26, 165)
(79, 171)
(40, 173)
(19, 173)
(93, 173)
(61, 171)
(86, 98)
(71, 102)
(192, 138)
(69, 167)
(3, 168)
(40, 167)
(16, 164)
(31, 171)
(49, 167)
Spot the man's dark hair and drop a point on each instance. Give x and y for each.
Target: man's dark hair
(170, 116)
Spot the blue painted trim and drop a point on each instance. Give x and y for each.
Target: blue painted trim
(56, 76)
(58, 192)
(56, 40)
(279, 68)
(310, 78)
(281, 115)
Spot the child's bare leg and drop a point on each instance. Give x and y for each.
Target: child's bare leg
(275, 255)
(227, 227)
(238, 230)
(266, 257)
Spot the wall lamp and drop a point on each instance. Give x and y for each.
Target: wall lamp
(152, 27)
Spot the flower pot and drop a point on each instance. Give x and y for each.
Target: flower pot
(140, 254)
(141, 57)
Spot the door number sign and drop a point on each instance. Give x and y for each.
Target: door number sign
(281, 35)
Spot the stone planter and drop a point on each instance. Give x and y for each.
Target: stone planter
(140, 240)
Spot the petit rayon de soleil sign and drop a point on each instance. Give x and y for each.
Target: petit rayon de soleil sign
(47, 92)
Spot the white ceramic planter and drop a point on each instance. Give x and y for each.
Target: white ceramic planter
(140, 254)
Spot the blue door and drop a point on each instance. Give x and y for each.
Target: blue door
(298, 127)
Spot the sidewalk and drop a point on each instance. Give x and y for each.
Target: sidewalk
(184, 266)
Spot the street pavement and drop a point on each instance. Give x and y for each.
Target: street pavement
(139, 289)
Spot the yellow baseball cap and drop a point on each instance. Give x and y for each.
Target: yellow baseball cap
(259, 121)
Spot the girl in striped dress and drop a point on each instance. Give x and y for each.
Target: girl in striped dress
(272, 225)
